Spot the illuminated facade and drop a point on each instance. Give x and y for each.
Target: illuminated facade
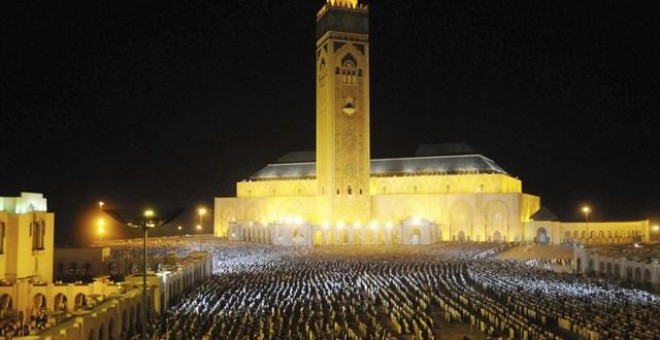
(339, 195)
(26, 238)
(97, 310)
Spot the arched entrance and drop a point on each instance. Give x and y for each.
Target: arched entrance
(381, 237)
(298, 238)
(416, 237)
(124, 321)
(578, 265)
(102, 331)
(647, 278)
(81, 300)
(331, 237)
(461, 236)
(111, 329)
(60, 302)
(357, 237)
(6, 302)
(542, 236)
(497, 236)
(617, 270)
(318, 238)
(39, 301)
(343, 236)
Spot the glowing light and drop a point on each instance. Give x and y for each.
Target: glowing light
(340, 224)
(586, 209)
(388, 225)
(415, 220)
(198, 227)
(656, 227)
(148, 213)
(373, 225)
(297, 220)
(201, 211)
(326, 224)
(351, 3)
(179, 227)
(287, 220)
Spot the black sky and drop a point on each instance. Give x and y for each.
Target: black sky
(170, 103)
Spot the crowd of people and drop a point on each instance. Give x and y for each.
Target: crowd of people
(637, 252)
(388, 292)
(14, 326)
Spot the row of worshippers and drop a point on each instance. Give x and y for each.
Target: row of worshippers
(593, 308)
(262, 291)
(345, 292)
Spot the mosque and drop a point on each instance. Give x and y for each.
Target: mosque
(339, 195)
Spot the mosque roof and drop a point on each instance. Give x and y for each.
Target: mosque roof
(544, 214)
(441, 159)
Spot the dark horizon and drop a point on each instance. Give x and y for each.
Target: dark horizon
(170, 104)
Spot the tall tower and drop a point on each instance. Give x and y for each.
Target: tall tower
(342, 111)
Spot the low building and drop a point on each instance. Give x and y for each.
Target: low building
(638, 264)
(99, 309)
(26, 238)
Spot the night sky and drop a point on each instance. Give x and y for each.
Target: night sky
(168, 104)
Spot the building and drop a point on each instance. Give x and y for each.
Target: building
(101, 308)
(634, 264)
(339, 195)
(26, 238)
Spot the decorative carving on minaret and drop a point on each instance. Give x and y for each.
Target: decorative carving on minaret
(349, 106)
(343, 3)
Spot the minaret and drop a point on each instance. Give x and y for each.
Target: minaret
(342, 112)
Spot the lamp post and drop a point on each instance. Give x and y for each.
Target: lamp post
(144, 220)
(586, 210)
(101, 223)
(201, 211)
(199, 238)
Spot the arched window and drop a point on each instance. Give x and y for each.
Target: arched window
(38, 233)
(2, 237)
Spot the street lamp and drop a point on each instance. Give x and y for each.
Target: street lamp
(201, 211)
(199, 238)
(101, 229)
(586, 210)
(144, 220)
